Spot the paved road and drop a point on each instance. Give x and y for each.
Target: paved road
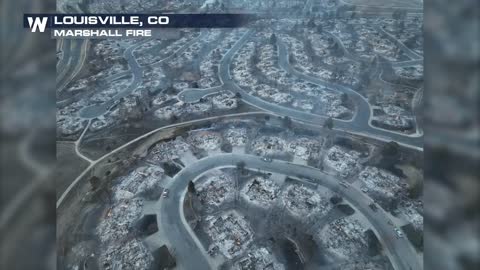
(137, 73)
(192, 95)
(65, 49)
(74, 54)
(136, 70)
(408, 63)
(389, 5)
(191, 256)
(360, 124)
(410, 53)
(96, 162)
(416, 59)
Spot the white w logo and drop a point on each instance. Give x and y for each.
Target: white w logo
(40, 23)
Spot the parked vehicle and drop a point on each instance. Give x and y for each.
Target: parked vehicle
(267, 159)
(399, 233)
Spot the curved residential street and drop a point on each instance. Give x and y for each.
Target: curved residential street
(173, 230)
(136, 70)
(190, 256)
(74, 53)
(360, 124)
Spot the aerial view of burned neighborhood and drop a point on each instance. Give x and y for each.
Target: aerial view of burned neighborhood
(292, 142)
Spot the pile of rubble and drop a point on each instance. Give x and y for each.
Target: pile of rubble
(132, 254)
(216, 190)
(342, 160)
(209, 69)
(131, 107)
(411, 211)
(159, 55)
(413, 72)
(380, 44)
(161, 99)
(261, 191)
(181, 85)
(267, 66)
(332, 104)
(259, 258)
(267, 92)
(370, 265)
(181, 109)
(236, 136)
(137, 182)
(382, 182)
(326, 102)
(230, 234)
(191, 53)
(116, 232)
(306, 105)
(167, 151)
(118, 221)
(210, 64)
(307, 89)
(110, 91)
(167, 112)
(302, 61)
(268, 145)
(345, 237)
(78, 85)
(304, 148)
(225, 101)
(68, 125)
(152, 78)
(394, 117)
(319, 43)
(204, 139)
(110, 50)
(242, 66)
(302, 201)
(71, 109)
(334, 60)
(102, 122)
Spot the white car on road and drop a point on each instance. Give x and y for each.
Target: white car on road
(399, 233)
